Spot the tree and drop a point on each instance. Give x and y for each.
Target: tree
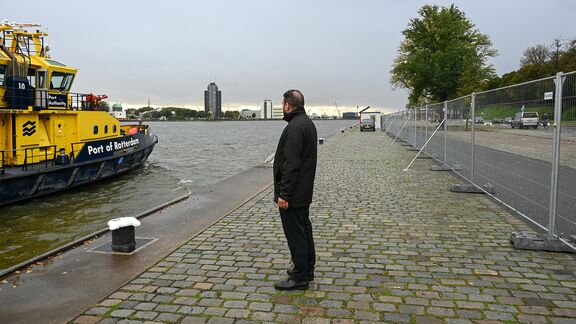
(228, 114)
(442, 56)
(103, 106)
(538, 54)
(165, 112)
(539, 62)
(557, 49)
(568, 58)
(202, 114)
(145, 109)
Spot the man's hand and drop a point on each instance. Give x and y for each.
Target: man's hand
(282, 203)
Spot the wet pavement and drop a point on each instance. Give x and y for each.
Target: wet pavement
(392, 246)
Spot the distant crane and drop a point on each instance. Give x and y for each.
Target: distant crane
(337, 110)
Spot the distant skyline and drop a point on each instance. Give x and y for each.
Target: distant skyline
(339, 53)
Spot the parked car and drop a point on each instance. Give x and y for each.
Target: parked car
(478, 120)
(508, 120)
(367, 124)
(497, 120)
(525, 120)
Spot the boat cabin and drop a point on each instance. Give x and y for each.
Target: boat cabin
(39, 117)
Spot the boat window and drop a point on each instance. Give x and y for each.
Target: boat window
(105, 129)
(114, 129)
(32, 77)
(95, 129)
(40, 79)
(61, 81)
(54, 62)
(2, 70)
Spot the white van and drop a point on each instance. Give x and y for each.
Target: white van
(525, 120)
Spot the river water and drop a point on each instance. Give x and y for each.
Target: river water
(189, 155)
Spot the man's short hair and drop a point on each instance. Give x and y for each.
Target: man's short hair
(294, 98)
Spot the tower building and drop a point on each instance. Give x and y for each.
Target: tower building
(213, 100)
(267, 109)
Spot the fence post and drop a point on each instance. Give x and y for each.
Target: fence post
(396, 117)
(555, 155)
(415, 126)
(445, 130)
(473, 136)
(408, 130)
(426, 123)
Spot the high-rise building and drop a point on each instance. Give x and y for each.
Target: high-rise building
(277, 113)
(213, 100)
(267, 109)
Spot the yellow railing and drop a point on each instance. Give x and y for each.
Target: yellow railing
(29, 157)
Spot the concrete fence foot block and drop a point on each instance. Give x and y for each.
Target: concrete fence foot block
(468, 188)
(489, 188)
(535, 242)
(440, 168)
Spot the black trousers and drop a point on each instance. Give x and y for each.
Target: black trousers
(298, 231)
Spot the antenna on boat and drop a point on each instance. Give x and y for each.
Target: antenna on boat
(25, 25)
(45, 48)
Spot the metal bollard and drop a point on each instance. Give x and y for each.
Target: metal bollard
(321, 140)
(123, 236)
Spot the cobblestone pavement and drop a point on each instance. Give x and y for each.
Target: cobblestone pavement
(392, 246)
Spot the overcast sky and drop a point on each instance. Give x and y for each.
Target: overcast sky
(337, 52)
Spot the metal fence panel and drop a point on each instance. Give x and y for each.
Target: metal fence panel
(459, 134)
(394, 123)
(436, 145)
(507, 138)
(516, 158)
(566, 196)
(420, 128)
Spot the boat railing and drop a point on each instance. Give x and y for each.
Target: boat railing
(85, 101)
(2, 162)
(24, 96)
(33, 157)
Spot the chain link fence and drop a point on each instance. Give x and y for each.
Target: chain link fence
(516, 143)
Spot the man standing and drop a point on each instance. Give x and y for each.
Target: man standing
(294, 171)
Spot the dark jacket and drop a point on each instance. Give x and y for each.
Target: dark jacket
(295, 160)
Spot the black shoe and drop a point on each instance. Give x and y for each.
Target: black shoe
(290, 271)
(290, 284)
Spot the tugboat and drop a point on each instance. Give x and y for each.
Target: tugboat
(52, 139)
